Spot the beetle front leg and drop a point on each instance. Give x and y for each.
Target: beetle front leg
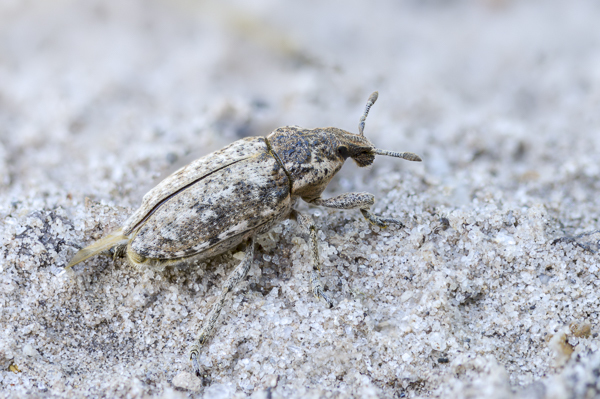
(209, 323)
(363, 201)
(306, 224)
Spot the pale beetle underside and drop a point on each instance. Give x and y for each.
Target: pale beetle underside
(228, 197)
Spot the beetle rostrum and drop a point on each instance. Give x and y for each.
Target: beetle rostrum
(228, 197)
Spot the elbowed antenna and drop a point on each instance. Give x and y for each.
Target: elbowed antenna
(370, 102)
(409, 156)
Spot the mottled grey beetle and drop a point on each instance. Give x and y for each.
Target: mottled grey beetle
(228, 197)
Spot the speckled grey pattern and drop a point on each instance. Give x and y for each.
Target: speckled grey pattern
(244, 198)
(195, 172)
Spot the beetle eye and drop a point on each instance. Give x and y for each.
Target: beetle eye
(343, 151)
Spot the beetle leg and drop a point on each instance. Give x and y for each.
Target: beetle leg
(209, 323)
(577, 241)
(347, 201)
(380, 221)
(306, 223)
(118, 252)
(363, 201)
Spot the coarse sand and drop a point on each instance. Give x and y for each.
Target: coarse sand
(473, 298)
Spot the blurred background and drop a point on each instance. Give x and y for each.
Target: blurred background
(101, 93)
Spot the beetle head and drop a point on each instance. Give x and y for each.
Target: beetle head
(361, 150)
(311, 157)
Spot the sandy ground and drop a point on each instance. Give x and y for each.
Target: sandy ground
(471, 299)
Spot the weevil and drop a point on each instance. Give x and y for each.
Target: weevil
(228, 197)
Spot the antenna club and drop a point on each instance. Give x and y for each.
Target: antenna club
(373, 97)
(409, 156)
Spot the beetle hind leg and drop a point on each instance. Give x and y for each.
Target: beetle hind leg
(316, 285)
(380, 221)
(591, 245)
(119, 251)
(209, 322)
